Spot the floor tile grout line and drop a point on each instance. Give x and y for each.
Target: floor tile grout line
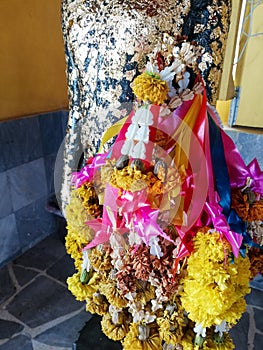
(6, 302)
(13, 276)
(20, 288)
(251, 327)
(48, 325)
(63, 284)
(33, 332)
(30, 268)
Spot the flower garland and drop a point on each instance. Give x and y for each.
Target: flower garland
(147, 256)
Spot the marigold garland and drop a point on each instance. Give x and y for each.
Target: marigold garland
(108, 288)
(80, 290)
(211, 276)
(97, 304)
(115, 331)
(148, 278)
(132, 341)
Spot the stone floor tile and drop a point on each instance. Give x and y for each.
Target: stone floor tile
(258, 342)
(42, 301)
(7, 287)
(92, 338)
(258, 315)
(34, 223)
(21, 342)
(23, 275)
(44, 254)
(257, 282)
(255, 298)
(239, 333)
(9, 328)
(62, 269)
(40, 346)
(65, 333)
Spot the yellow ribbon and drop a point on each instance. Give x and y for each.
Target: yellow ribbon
(111, 132)
(183, 134)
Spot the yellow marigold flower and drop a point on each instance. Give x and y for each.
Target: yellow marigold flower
(77, 215)
(212, 276)
(100, 260)
(131, 341)
(109, 289)
(149, 87)
(74, 245)
(97, 304)
(145, 292)
(90, 199)
(114, 331)
(129, 179)
(172, 323)
(82, 291)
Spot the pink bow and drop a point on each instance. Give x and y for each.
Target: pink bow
(221, 225)
(86, 174)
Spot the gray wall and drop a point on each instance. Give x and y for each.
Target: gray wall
(28, 149)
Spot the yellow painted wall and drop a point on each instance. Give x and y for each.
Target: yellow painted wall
(227, 88)
(250, 73)
(32, 61)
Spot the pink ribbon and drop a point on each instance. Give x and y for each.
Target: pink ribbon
(256, 175)
(237, 169)
(86, 174)
(136, 209)
(221, 225)
(109, 222)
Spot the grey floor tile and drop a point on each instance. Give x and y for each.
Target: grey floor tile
(9, 239)
(5, 202)
(255, 298)
(258, 314)
(66, 333)
(19, 142)
(62, 269)
(92, 338)
(258, 342)
(20, 342)
(44, 254)
(27, 183)
(23, 275)
(239, 333)
(42, 301)
(7, 288)
(34, 223)
(9, 328)
(257, 282)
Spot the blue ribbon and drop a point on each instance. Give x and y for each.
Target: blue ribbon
(222, 185)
